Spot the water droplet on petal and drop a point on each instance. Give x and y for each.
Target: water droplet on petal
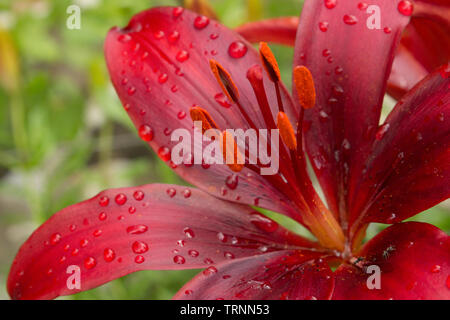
(137, 229)
(164, 153)
(405, 7)
(330, 4)
(436, 269)
(210, 270)
(177, 11)
(323, 26)
(102, 216)
(139, 259)
(232, 181)
(109, 255)
(171, 192)
(350, 19)
(182, 56)
(179, 260)
(145, 132)
(120, 199)
(382, 131)
(201, 22)
(237, 49)
(189, 232)
(263, 222)
(193, 253)
(139, 247)
(138, 195)
(222, 100)
(55, 238)
(90, 263)
(103, 201)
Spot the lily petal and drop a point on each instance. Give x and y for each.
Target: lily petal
(426, 40)
(414, 260)
(120, 231)
(350, 64)
(408, 170)
(159, 65)
(275, 30)
(287, 275)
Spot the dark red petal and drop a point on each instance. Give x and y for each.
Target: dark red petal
(160, 68)
(149, 227)
(414, 259)
(350, 64)
(409, 168)
(427, 41)
(276, 30)
(287, 275)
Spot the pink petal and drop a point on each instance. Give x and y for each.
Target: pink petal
(287, 275)
(426, 40)
(414, 259)
(124, 230)
(159, 65)
(350, 64)
(276, 30)
(409, 168)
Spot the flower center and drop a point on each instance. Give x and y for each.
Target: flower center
(292, 178)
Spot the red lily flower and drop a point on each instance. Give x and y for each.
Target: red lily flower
(424, 46)
(168, 60)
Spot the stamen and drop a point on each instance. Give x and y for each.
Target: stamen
(254, 76)
(230, 151)
(304, 84)
(200, 114)
(225, 81)
(269, 62)
(286, 131)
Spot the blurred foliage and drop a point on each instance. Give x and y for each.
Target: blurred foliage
(63, 133)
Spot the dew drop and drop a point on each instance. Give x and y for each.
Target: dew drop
(263, 222)
(182, 56)
(387, 30)
(164, 153)
(362, 6)
(139, 259)
(163, 78)
(237, 49)
(436, 269)
(138, 195)
(210, 271)
(145, 132)
(232, 181)
(177, 11)
(323, 26)
(179, 260)
(90, 263)
(137, 229)
(189, 232)
(84, 243)
(222, 100)
(139, 247)
(201, 22)
(382, 131)
(350, 19)
(103, 201)
(193, 253)
(55, 238)
(131, 210)
(109, 255)
(171, 192)
(228, 255)
(120, 199)
(405, 7)
(187, 193)
(330, 4)
(97, 233)
(174, 36)
(221, 237)
(102, 216)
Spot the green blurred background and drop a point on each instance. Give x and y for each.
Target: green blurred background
(64, 135)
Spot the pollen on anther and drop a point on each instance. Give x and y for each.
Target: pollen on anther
(304, 85)
(269, 62)
(225, 81)
(286, 131)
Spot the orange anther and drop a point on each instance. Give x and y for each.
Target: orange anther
(304, 84)
(286, 131)
(269, 62)
(231, 154)
(225, 81)
(200, 114)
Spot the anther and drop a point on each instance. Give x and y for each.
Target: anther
(269, 62)
(231, 154)
(224, 80)
(304, 84)
(286, 131)
(200, 114)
